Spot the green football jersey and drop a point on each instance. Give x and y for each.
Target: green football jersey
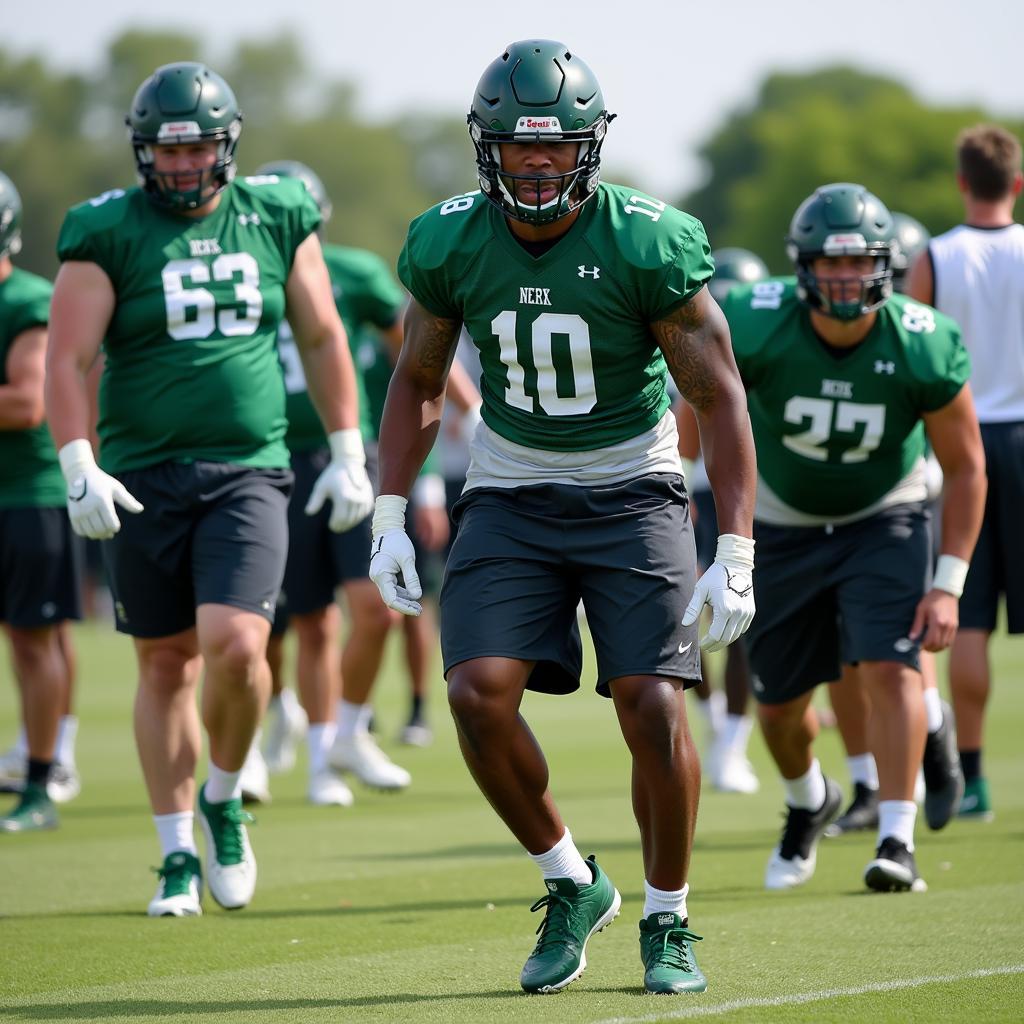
(366, 294)
(191, 360)
(30, 475)
(835, 433)
(568, 360)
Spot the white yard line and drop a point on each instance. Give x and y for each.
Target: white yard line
(695, 1009)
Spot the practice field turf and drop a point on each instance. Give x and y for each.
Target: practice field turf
(415, 907)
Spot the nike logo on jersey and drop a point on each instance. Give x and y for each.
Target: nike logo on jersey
(534, 296)
(204, 247)
(885, 366)
(683, 649)
(585, 271)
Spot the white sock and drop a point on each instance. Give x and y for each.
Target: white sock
(664, 901)
(289, 702)
(563, 860)
(175, 832)
(863, 770)
(353, 719)
(808, 791)
(896, 818)
(222, 785)
(320, 739)
(736, 733)
(66, 733)
(933, 708)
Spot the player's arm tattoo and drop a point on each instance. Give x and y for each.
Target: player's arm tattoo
(429, 345)
(694, 340)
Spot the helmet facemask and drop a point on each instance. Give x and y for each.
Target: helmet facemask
(827, 297)
(572, 188)
(161, 186)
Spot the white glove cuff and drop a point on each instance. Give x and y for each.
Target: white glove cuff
(75, 458)
(735, 552)
(347, 446)
(429, 492)
(950, 573)
(388, 513)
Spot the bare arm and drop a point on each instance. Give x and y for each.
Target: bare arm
(955, 438)
(80, 311)
(21, 398)
(695, 342)
(320, 335)
(689, 435)
(921, 279)
(415, 399)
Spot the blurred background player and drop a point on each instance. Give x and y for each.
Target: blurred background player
(726, 763)
(940, 784)
(183, 280)
(335, 683)
(39, 558)
(975, 274)
(840, 375)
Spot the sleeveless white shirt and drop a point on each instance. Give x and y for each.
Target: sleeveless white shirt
(979, 282)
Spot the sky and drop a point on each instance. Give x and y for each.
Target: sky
(672, 71)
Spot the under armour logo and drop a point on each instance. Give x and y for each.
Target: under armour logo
(594, 272)
(881, 366)
(249, 220)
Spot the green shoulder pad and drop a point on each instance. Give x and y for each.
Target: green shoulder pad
(90, 229)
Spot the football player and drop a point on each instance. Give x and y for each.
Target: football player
(184, 280)
(39, 559)
(579, 296)
(320, 560)
(843, 380)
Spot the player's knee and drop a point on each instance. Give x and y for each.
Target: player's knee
(317, 629)
(370, 615)
(33, 650)
(237, 655)
(472, 701)
(166, 667)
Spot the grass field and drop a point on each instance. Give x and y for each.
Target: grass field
(415, 907)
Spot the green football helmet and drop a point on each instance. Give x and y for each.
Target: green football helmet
(842, 220)
(735, 266)
(308, 177)
(910, 239)
(538, 91)
(10, 218)
(180, 104)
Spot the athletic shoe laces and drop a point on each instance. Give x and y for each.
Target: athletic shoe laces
(669, 948)
(229, 834)
(176, 876)
(556, 928)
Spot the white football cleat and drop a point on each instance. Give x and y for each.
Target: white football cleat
(361, 756)
(180, 888)
(788, 874)
(255, 779)
(285, 727)
(735, 774)
(793, 861)
(416, 734)
(328, 790)
(230, 864)
(64, 784)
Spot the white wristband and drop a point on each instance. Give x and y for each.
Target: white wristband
(950, 573)
(388, 513)
(76, 457)
(347, 446)
(736, 552)
(429, 492)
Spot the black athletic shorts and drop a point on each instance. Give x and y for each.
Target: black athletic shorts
(40, 568)
(211, 533)
(705, 527)
(835, 595)
(319, 560)
(525, 557)
(997, 566)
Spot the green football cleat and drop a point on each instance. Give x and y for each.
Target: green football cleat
(976, 804)
(574, 913)
(665, 949)
(180, 888)
(230, 864)
(33, 812)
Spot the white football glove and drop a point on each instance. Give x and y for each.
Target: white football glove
(92, 493)
(728, 589)
(344, 481)
(391, 553)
